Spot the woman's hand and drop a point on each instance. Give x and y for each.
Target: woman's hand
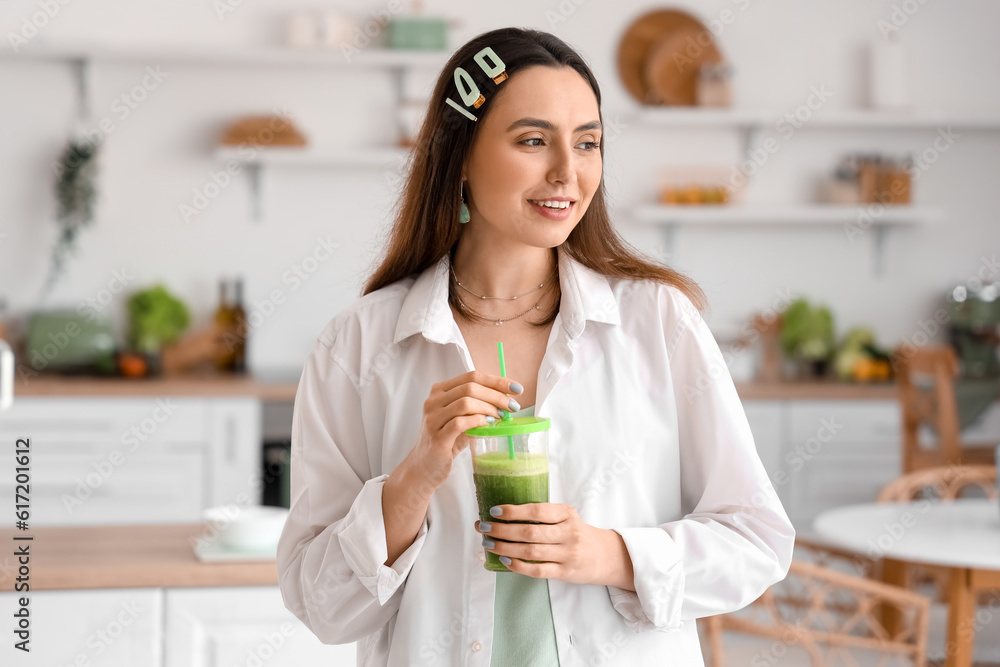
(454, 406)
(572, 550)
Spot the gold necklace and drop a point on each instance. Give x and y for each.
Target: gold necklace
(506, 298)
(500, 321)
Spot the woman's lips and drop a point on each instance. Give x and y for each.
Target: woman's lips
(554, 213)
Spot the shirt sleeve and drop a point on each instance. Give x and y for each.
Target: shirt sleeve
(332, 551)
(736, 540)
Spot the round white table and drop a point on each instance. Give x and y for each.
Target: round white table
(963, 535)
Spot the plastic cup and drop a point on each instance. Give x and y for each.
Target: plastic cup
(504, 480)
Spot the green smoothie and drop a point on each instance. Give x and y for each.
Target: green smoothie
(501, 480)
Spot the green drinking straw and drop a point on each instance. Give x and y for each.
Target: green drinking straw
(507, 416)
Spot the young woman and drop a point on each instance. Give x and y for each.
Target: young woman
(661, 511)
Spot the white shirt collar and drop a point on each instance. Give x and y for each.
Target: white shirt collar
(586, 295)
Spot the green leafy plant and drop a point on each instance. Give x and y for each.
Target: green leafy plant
(76, 195)
(807, 331)
(156, 318)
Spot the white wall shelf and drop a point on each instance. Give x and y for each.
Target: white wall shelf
(229, 55)
(386, 158)
(312, 157)
(855, 220)
(82, 57)
(801, 215)
(688, 117)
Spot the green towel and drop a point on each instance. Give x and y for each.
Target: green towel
(523, 632)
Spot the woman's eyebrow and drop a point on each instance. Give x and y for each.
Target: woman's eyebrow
(546, 125)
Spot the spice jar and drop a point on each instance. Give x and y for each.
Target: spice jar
(713, 85)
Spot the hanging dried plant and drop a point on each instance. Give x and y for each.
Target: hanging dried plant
(76, 194)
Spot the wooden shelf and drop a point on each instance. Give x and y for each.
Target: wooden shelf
(803, 215)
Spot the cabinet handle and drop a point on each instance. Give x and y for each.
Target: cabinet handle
(231, 439)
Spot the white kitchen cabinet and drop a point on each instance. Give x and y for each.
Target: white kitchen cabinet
(135, 460)
(99, 628)
(242, 626)
(236, 451)
(839, 452)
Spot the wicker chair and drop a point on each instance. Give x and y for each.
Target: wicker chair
(943, 483)
(830, 613)
(935, 408)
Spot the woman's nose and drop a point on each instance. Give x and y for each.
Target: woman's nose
(563, 167)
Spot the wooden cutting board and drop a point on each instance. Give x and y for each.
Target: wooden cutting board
(660, 54)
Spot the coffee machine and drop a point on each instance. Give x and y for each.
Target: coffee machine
(974, 329)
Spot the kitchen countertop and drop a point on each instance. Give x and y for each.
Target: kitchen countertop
(146, 556)
(281, 386)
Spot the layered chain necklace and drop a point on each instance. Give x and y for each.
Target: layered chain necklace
(500, 321)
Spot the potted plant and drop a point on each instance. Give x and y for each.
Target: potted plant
(807, 337)
(155, 318)
(76, 194)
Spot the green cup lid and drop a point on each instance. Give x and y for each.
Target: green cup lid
(512, 426)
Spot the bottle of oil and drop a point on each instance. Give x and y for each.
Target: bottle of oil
(225, 318)
(239, 364)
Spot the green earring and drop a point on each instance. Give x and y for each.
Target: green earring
(463, 213)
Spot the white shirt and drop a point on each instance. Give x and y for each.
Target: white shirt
(649, 438)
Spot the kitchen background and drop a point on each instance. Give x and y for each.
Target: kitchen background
(172, 89)
(159, 157)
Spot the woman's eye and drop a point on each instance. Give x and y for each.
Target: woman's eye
(590, 145)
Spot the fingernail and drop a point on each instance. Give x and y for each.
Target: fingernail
(501, 413)
(485, 527)
(505, 560)
(496, 511)
(516, 387)
(490, 419)
(489, 544)
(513, 405)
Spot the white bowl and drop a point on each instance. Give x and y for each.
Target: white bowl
(248, 527)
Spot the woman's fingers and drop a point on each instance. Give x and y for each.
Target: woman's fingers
(502, 385)
(542, 552)
(538, 533)
(537, 512)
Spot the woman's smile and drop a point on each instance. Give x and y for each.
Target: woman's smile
(551, 212)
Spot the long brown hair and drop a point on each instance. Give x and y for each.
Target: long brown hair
(426, 225)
